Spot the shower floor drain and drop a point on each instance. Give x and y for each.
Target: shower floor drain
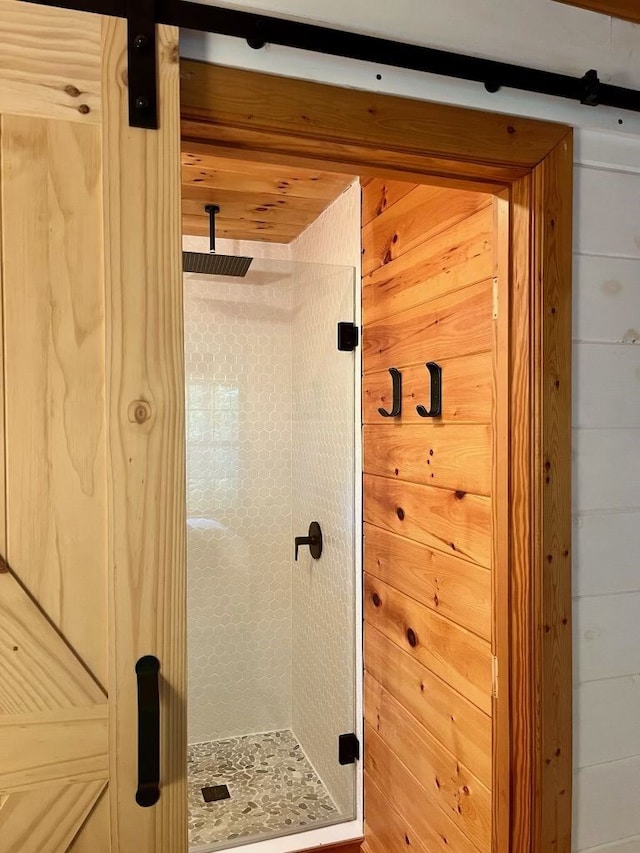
(213, 793)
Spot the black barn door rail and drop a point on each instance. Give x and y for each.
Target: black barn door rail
(259, 30)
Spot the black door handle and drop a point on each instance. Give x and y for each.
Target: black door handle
(148, 793)
(313, 540)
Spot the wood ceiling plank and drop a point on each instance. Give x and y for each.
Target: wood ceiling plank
(254, 198)
(235, 229)
(205, 154)
(205, 195)
(629, 10)
(309, 178)
(247, 210)
(280, 182)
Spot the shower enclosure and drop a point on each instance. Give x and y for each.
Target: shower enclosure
(271, 639)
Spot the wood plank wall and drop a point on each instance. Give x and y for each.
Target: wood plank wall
(428, 269)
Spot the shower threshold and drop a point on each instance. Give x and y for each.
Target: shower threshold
(273, 791)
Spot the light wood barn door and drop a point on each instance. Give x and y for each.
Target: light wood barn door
(91, 461)
(430, 263)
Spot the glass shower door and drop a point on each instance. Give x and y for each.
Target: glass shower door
(323, 590)
(271, 639)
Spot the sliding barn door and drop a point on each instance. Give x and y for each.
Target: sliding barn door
(429, 263)
(91, 445)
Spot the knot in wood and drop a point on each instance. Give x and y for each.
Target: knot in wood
(139, 412)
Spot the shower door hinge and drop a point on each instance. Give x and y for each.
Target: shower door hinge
(348, 337)
(348, 748)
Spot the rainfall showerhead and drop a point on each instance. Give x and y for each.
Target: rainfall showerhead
(211, 263)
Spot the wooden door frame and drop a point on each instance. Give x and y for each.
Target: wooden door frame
(257, 116)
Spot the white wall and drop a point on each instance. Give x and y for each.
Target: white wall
(606, 446)
(607, 314)
(324, 592)
(542, 33)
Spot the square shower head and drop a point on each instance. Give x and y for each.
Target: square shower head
(213, 264)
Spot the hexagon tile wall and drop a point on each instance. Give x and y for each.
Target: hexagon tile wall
(238, 380)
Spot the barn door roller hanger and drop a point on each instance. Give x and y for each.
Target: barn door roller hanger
(258, 30)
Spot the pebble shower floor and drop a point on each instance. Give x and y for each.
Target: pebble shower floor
(274, 790)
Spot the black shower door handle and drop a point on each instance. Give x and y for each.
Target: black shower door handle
(147, 671)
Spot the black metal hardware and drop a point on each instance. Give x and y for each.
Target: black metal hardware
(396, 405)
(348, 337)
(266, 29)
(313, 540)
(148, 793)
(212, 209)
(142, 71)
(435, 373)
(348, 749)
(592, 88)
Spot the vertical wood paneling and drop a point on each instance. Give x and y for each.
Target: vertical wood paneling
(54, 332)
(428, 296)
(46, 68)
(145, 411)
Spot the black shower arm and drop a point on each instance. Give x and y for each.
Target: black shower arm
(212, 209)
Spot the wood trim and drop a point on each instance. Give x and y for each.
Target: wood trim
(280, 120)
(272, 119)
(523, 729)
(626, 9)
(551, 274)
(501, 716)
